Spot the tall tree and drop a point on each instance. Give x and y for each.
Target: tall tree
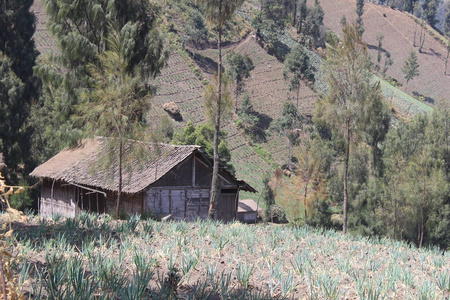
(350, 89)
(115, 107)
(447, 33)
(18, 56)
(81, 30)
(410, 67)
(11, 113)
(268, 196)
(313, 22)
(360, 12)
(239, 69)
(288, 125)
(297, 68)
(429, 11)
(302, 13)
(218, 12)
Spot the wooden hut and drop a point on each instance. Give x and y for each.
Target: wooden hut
(167, 180)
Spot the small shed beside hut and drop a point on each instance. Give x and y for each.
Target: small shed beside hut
(170, 179)
(248, 210)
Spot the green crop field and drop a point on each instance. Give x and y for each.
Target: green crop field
(146, 259)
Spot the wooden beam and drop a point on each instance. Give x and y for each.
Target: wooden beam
(86, 188)
(193, 171)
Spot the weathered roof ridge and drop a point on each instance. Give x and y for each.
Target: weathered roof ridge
(80, 165)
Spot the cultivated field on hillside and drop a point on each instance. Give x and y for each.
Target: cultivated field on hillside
(178, 83)
(92, 257)
(398, 30)
(266, 87)
(45, 43)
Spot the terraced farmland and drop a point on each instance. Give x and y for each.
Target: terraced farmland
(267, 89)
(398, 29)
(45, 43)
(179, 84)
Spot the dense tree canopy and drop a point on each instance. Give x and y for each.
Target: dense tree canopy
(82, 29)
(18, 86)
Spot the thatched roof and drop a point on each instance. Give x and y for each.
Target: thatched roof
(80, 166)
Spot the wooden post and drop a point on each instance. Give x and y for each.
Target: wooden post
(98, 208)
(51, 194)
(193, 170)
(237, 203)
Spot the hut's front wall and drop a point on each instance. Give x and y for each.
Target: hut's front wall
(58, 198)
(182, 203)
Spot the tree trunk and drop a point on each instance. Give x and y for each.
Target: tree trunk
(304, 200)
(294, 14)
(298, 93)
(119, 193)
(446, 59)
(422, 225)
(347, 154)
(215, 174)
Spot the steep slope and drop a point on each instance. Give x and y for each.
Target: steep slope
(267, 89)
(398, 30)
(45, 43)
(178, 83)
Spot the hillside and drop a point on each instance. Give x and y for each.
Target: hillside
(267, 88)
(398, 30)
(152, 260)
(178, 84)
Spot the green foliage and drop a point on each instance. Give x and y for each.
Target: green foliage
(270, 19)
(11, 107)
(82, 32)
(203, 135)
(268, 197)
(313, 24)
(17, 84)
(429, 11)
(288, 125)
(216, 107)
(239, 69)
(297, 68)
(411, 199)
(359, 12)
(411, 67)
(23, 200)
(115, 108)
(16, 38)
(249, 120)
(196, 30)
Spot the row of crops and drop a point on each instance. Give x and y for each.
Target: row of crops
(146, 259)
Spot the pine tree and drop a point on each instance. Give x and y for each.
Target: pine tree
(429, 11)
(81, 30)
(297, 68)
(218, 12)
(360, 12)
(239, 69)
(349, 91)
(18, 56)
(268, 196)
(410, 67)
(114, 107)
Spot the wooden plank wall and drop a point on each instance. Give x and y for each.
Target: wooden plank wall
(131, 204)
(63, 202)
(181, 202)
